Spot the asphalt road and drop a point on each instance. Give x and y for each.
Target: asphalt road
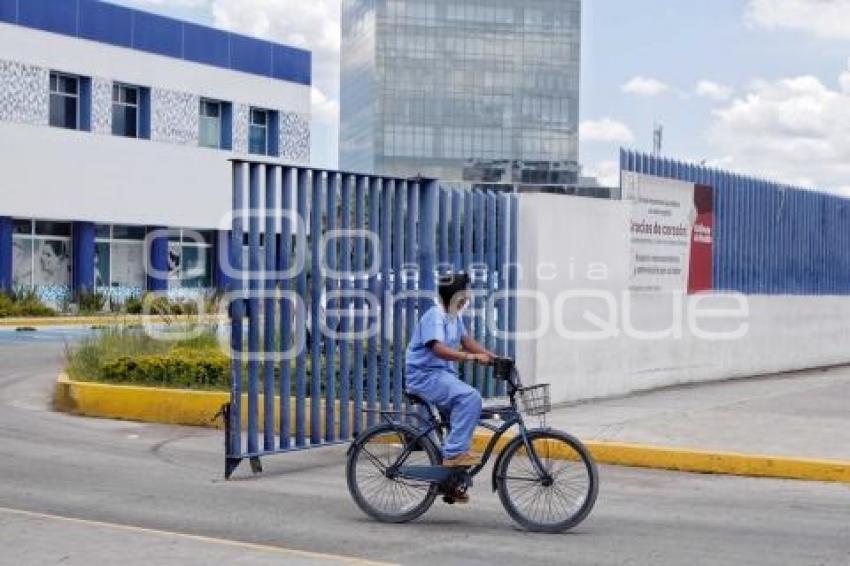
(84, 491)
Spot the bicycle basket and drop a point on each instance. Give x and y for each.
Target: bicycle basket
(535, 399)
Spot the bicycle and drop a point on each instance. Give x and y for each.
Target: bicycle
(546, 479)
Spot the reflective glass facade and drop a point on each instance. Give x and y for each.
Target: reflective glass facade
(479, 90)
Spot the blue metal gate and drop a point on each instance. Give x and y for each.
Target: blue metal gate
(338, 268)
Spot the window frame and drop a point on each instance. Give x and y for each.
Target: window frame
(110, 240)
(265, 126)
(219, 104)
(34, 237)
(57, 75)
(122, 87)
(183, 242)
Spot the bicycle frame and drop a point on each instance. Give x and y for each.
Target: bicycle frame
(511, 417)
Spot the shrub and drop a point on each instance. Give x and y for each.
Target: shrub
(91, 302)
(128, 356)
(182, 368)
(134, 305)
(23, 302)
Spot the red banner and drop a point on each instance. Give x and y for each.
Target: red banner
(702, 241)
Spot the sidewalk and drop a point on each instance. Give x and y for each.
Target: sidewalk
(798, 415)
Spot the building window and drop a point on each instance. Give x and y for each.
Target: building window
(211, 123)
(190, 260)
(259, 138)
(125, 110)
(119, 257)
(64, 101)
(41, 254)
(264, 129)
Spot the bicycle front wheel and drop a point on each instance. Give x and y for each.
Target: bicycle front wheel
(554, 502)
(380, 495)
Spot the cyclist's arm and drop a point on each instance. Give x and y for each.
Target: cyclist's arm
(472, 346)
(451, 355)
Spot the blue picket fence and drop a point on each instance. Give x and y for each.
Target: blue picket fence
(385, 241)
(769, 238)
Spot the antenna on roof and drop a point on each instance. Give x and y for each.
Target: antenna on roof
(657, 138)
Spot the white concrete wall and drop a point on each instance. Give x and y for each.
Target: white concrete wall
(562, 238)
(50, 173)
(69, 175)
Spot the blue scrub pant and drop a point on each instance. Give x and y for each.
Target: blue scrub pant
(453, 396)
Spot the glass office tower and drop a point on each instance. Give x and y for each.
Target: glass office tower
(473, 90)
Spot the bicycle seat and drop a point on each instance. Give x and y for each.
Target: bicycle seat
(417, 400)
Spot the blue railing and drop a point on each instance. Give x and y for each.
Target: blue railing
(770, 238)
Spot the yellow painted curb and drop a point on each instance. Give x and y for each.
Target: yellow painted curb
(197, 408)
(117, 320)
(703, 461)
(163, 406)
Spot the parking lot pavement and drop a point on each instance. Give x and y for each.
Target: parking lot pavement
(50, 539)
(169, 480)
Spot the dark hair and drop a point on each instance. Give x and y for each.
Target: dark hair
(451, 284)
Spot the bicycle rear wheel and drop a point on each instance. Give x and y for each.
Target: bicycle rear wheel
(549, 505)
(390, 499)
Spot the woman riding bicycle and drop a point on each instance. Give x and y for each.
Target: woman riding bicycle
(432, 357)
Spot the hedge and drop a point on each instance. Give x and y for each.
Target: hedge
(179, 368)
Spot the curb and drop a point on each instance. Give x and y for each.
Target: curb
(198, 408)
(163, 406)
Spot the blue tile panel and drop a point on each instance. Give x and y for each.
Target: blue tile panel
(134, 29)
(769, 238)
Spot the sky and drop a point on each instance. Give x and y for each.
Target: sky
(757, 86)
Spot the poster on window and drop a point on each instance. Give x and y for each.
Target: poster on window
(174, 264)
(101, 265)
(52, 265)
(128, 269)
(671, 231)
(195, 268)
(22, 262)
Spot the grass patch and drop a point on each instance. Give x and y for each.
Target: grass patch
(127, 356)
(22, 303)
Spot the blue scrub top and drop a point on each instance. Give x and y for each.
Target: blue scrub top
(438, 325)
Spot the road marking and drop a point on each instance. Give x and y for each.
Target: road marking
(198, 538)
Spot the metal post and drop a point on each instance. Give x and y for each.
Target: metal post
(374, 317)
(388, 186)
(359, 304)
(330, 341)
(270, 331)
(346, 307)
(233, 413)
(301, 322)
(315, 310)
(285, 263)
(254, 308)
(398, 288)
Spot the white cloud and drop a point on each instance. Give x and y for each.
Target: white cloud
(825, 18)
(324, 109)
(605, 130)
(794, 129)
(714, 91)
(645, 86)
(607, 173)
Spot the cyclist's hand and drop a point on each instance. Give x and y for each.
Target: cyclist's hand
(483, 359)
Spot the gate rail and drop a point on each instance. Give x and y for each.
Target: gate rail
(372, 271)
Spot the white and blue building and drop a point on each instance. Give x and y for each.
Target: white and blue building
(115, 123)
